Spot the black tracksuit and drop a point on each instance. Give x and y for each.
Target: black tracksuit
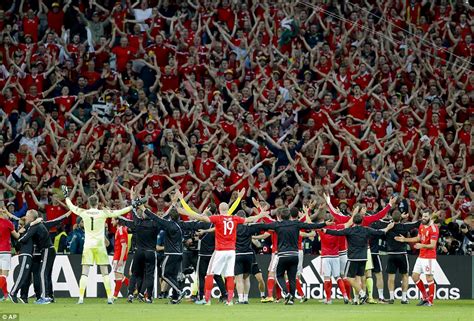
(397, 251)
(374, 243)
(288, 232)
(144, 259)
(173, 245)
(40, 236)
(357, 239)
(22, 281)
(244, 254)
(206, 247)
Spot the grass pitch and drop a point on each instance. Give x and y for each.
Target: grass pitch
(98, 310)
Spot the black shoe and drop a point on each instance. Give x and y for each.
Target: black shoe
(422, 302)
(141, 297)
(130, 298)
(289, 300)
(181, 296)
(355, 303)
(174, 301)
(13, 298)
(52, 300)
(25, 300)
(346, 301)
(391, 301)
(223, 298)
(363, 299)
(404, 302)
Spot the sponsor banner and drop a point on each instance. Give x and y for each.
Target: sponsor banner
(453, 276)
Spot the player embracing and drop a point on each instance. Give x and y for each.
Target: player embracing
(427, 238)
(120, 255)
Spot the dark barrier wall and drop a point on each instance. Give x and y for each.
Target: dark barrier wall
(453, 275)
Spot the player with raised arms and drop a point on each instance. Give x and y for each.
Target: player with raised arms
(223, 259)
(94, 244)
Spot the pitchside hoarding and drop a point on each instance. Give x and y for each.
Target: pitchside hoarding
(453, 276)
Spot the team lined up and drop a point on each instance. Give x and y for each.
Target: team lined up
(228, 255)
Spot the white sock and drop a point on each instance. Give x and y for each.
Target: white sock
(356, 297)
(246, 297)
(404, 296)
(241, 297)
(392, 295)
(362, 293)
(262, 294)
(380, 294)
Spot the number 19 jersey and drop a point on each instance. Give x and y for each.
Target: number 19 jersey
(226, 231)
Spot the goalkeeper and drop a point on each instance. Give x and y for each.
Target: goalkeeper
(94, 244)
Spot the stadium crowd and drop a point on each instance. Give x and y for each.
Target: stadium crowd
(288, 99)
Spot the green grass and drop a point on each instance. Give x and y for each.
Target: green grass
(97, 309)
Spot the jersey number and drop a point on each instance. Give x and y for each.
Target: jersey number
(228, 227)
(92, 223)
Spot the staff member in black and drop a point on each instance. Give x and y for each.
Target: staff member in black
(24, 261)
(397, 254)
(144, 259)
(40, 236)
(171, 265)
(245, 263)
(357, 239)
(288, 232)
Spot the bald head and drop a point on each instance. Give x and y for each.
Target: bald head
(223, 208)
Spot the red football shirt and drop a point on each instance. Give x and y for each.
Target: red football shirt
(428, 233)
(53, 212)
(330, 243)
(6, 227)
(121, 237)
(226, 231)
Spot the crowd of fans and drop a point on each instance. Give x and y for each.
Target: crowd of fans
(289, 99)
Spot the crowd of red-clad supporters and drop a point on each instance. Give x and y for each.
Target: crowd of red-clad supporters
(289, 99)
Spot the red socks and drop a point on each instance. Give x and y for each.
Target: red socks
(328, 289)
(421, 287)
(347, 285)
(230, 285)
(299, 289)
(340, 284)
(270, 285)
(278, 293)
(431, 291)
(125, 281)
(209, 282)
(118, 286)
(3, 285)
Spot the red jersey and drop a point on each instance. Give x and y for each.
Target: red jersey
(6, 227)
(226, 231)
(426, 234)
(53, 212)
(121, 237)
(330, 243)
(366, 221)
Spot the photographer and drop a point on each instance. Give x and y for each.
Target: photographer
(468, 242)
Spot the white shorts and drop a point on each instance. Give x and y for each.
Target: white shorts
(222, 263)
(300, 262)
(424, 266)
(5, 262)
(342, 264)
(118, 268)
(331, 267)
(272, 267)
